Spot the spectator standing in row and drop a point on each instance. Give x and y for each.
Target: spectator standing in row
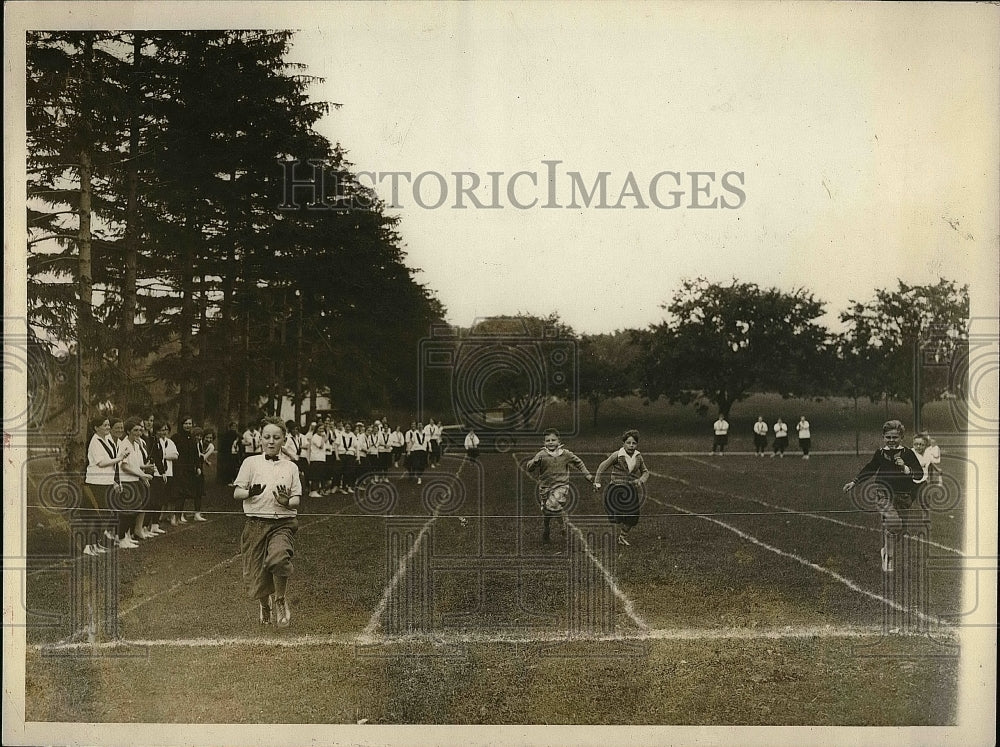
(780, 438)
(102, 476)
(187, 469)
(316, 470)
(163, 453)
(383, 448)
(206, 450)
(418, 453)
(251, 441)
(136, 470)
(721, 428)
(805, 439)
(398, 442)
(229, 457)
(433, 431)
(930, 456)
(760, 430)
(471, 446)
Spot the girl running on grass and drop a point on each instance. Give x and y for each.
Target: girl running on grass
(624, 493)
(270, 490)
(552, 465)
(895, 472)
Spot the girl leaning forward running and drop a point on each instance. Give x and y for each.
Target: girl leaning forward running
(624, 492)
(270, 489)
(550, 466)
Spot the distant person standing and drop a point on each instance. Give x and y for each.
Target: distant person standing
(398, 443)
(187, 470)
(721, 428)
(229, 453)
(760, 430)
(805, 440)
(471, 446)
(930, 456)
(251, 441)
(383, 446)
(780, 438)
(316, 469)
(419, 448)
(433, 434)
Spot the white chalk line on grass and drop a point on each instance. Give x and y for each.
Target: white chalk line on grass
(700, 461)
(787, 510)
(390, 588)
(188, 581)
(444, 638)
(627, 603)
(807, 563)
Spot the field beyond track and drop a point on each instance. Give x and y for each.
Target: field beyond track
(751, 594)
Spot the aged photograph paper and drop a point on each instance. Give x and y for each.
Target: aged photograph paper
(500, 373)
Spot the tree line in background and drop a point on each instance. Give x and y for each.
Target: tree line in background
(161, 246)
(160, 251)
(721, 342)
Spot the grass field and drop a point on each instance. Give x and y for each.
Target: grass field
(751, 594)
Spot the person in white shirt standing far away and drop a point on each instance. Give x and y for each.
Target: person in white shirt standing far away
(805, 440)
(760, 430)
(721, 428)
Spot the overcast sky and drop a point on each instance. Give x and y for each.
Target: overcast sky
(864, 136)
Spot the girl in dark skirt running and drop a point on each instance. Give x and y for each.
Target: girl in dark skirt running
(624, 493)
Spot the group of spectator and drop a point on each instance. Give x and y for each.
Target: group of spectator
(139, 479)
(760, 433)
(338, 456)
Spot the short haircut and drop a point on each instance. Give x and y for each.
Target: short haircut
(893, 425)
(132, 423)
(551, 432)
(160, 425)
(631, 433)
(98, 420)
(274, 421)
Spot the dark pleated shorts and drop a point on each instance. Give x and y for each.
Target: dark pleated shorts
(266, 545)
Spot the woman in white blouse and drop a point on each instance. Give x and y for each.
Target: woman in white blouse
(135, 476)
(103, 462)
